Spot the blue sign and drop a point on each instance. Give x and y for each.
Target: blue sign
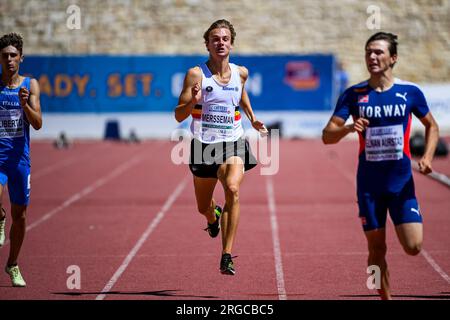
(153, 83)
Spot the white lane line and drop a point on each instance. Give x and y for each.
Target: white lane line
(151, 227)
(435, 266)
(53, 167)
(276, 240)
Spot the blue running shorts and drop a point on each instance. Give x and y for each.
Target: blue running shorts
(18, 179)
(403, 207)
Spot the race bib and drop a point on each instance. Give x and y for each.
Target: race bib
(217, 123)
(11, 123)
(384, 143)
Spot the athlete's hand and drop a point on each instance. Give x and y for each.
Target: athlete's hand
(425, 166)
(360, 125)
(196, 93)
(258, 125)
(24, 94)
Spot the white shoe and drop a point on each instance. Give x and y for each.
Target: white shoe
(16, 277)
(2, 229)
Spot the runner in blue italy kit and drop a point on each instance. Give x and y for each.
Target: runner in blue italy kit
(19, 108)
(382, 110)
(212, 95)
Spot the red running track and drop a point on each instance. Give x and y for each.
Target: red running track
(126, 216)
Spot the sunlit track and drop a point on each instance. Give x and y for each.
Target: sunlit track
(153, 224)
(89, 189)
(435, 266)
(42, 172)
(128, 218)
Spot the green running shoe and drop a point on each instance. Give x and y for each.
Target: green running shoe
(16, 277)
(214, 228)
(2, 229)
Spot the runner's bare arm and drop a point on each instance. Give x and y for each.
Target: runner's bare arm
(336, 129)
(31, 105)
(245, 102)
(431, 141)
(190, 95)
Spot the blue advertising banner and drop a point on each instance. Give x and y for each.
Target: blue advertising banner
(153, 83)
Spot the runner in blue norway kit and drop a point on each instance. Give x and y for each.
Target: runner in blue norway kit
(382, 109)
(384, 176)
(19, 107)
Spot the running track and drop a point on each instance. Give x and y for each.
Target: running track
(126, 216)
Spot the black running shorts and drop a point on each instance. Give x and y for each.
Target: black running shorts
(206, 158)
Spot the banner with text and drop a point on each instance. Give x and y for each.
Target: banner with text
(101, 84)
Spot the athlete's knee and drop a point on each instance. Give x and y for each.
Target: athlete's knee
(413, 249)
(18, 214)
(19, 219)
(232, 191)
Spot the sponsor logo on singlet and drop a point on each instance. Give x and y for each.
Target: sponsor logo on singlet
(230, 89)
(9, 93)
(220, 109)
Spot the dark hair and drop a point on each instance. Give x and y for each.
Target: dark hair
(12, 39)
(390, 38)
(220, 24)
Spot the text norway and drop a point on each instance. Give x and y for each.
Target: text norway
(388, 111)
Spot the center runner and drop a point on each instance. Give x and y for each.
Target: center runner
(213, 94)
